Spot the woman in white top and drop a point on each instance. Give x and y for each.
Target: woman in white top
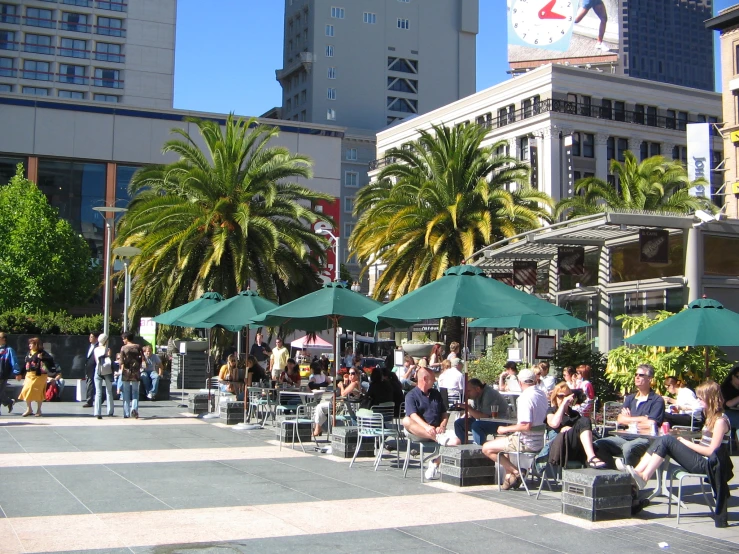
(437, 354)
(685, 407)
(451, 379)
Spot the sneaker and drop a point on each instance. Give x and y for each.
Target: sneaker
(150, 396)
(620, 465)
(10, 408)
(432, 472)
(638, 479)
(602, 47)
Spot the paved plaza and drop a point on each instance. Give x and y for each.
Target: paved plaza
(170, 482)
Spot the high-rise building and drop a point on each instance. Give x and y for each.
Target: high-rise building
(667, 41)
(369, 63)
(119, 51)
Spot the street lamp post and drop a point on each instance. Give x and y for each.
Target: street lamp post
(335, 238)
(108, 212)
(126, 253)
(356, 287)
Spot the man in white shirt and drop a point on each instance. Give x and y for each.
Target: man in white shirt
(452, 380)
(532, 408)
(278, 359)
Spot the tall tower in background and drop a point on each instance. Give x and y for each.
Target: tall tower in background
(667, 41)
(367, 63)
(119, 51)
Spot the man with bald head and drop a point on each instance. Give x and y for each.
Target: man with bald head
(426, 417)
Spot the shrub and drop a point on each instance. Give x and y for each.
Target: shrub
(489, 367)
(575, 350)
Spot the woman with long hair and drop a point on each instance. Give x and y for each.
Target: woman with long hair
(683, 408)
(693, 457)
(583, 382)
(574, 441)
(435, 358)
(38, 364)
(228, 376)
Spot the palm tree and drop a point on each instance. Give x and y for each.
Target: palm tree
(442, 198)
(220, 217)
(656, 184)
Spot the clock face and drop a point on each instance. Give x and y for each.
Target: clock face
(542, 23)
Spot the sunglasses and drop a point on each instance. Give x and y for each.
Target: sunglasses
(352, 373)
(643, 375)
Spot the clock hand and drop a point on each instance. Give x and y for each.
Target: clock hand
(547, 13)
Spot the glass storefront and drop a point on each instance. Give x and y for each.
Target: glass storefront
(123, 176)
(74, 188)
(626, 266)
(7, 168)
(721, 255)
(642, 303)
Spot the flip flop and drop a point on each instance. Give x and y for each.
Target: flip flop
(596, 463)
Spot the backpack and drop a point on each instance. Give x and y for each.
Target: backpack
(52, 391)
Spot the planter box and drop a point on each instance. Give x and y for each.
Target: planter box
(596, 495)
(304, 430)
(344, 443)
(466, 466)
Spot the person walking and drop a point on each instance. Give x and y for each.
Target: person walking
(151, 372)
(8, 367)
(38, 364)
(278, 359)
(131, 361)
(103, 377)
(90, 365)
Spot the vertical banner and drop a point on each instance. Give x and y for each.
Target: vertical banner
(534, 157)
(571, 260)
(330, 208)
(148, 331)
(654, 246)
(524, 273)
(699, 157)
(569, 187)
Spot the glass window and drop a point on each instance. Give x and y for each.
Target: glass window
(404, 23)
(73, 48)
(33, 69)
(75, 94)
(123, 176)
(77, 22)
(331, 93)
(107, 78)
(110, 26)
(588, 145)
(682, 120)
(619, 110)
(113, 5)
(83, 3)
(107, 52)
(639, 114)
(38, 44)
(9, 13)
(523, 149)
(625, 264)
(7, 67)
(576, 149)
(351, 179)
(721, 255)
(370, 18)
(38, 17)
(74, 74)
(623, 146)
(331, 114)
(652, 116)
(348, 229)
(643, 151)
(337, 13)
(329, 30)
(106, 98)
(655, 149)
(35, 91)
(351, 154)
(332, 73)
(329, 51)
(7, 168)
(348, 204)
(7, 40)
(526, 106)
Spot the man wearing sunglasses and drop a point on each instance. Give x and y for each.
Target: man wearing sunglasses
(645, 409)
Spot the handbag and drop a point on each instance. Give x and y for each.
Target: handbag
(104, 366)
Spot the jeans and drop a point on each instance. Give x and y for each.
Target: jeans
(687, 458)
(151, 381)
(480, 430)
(130, 397)
(631, 450)
(5, 400)
(100, 382)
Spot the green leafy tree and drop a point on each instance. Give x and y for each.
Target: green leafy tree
(220, 216)
(44, 263)
(656, 184)
(490, 365)
(444, 197)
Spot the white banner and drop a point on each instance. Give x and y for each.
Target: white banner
(699, 157)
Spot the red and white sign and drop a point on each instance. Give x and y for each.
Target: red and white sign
(331, 209)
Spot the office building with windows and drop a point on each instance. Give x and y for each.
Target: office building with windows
(114, 51)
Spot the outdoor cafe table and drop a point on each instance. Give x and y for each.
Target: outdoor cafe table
(663, 470)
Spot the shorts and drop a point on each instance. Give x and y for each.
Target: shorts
(590, 4)
(515, 445)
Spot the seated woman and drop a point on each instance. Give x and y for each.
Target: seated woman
(508, 380)
(317, 380)
(350, 387)
(407, 373)
(254, 372)
(380, 390)
(685, 407)
(569, 374)
(291, 375)
(228, 376)
(574, 440)
(703, 457)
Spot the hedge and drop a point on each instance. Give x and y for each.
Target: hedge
(18, 322)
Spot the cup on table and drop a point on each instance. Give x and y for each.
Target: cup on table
(633, 428)
(494, 410)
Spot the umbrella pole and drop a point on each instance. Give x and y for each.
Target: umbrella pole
(708, 368)
(464, 381)
(246, 372)
(336, 375)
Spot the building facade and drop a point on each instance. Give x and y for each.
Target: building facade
(668, 42)
(113, 51)
(727, 23)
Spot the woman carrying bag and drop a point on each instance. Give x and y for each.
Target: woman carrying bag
(103, 377)
(37, 366)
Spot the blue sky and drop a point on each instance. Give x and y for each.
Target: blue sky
(227, 53)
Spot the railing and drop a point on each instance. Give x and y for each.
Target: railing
(75, 27)
(38, 48)
(39, 22)
(37, 75)
(113, 6)
(8, 45)
(8, 18)
(74, 52)
(71, 78)
(108, 57)
(556, 105)
(107, 83)
(110, 31)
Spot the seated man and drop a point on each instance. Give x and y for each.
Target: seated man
(151, 372)
(645, 409)
(425, 415)
(484, 401)
(532, 409)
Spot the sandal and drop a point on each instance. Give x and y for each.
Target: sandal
(512, 481)
(39, 414)
(27, 413)
(596, 463)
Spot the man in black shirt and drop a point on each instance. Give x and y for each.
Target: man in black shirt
(260, 350)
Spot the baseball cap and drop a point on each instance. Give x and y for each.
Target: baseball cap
(526, 376)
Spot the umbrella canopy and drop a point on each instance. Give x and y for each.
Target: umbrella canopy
(464, 291)
(307, 342)
(233, 314)
(331, 306)
(704, 323)
(562, 322)
(174, 316)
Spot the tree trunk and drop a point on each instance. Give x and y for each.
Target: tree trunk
(452, 332)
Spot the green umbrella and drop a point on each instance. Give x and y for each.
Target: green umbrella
(233, 314)
(563, 322)
(174, 316)
(464, 291)
(705, 322)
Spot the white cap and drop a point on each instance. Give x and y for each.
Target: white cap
(526, 376)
